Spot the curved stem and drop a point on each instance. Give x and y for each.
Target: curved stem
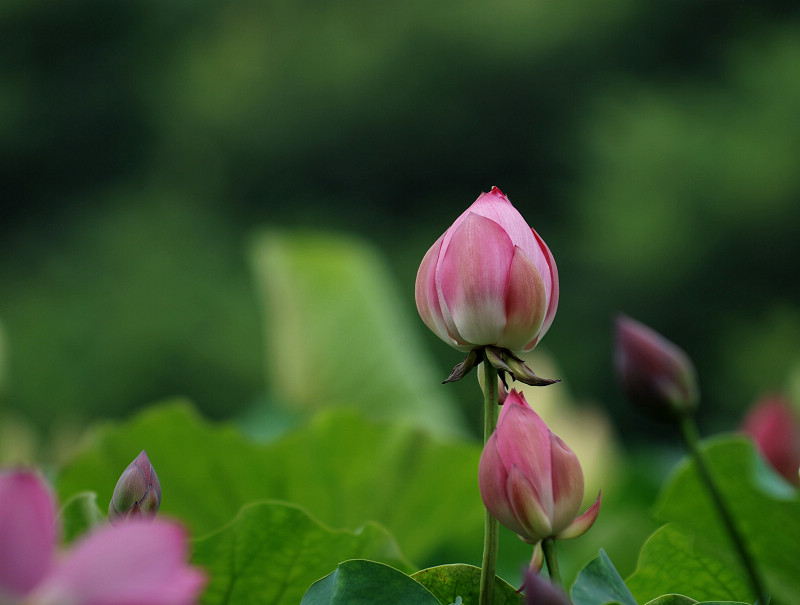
(550, 556)
(491, 526)
(691, 439)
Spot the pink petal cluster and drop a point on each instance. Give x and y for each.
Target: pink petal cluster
(530, 480)
(774, 426)
(656, 375)
(488, 280)
(133, 564)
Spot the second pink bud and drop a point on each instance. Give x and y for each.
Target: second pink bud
(530, 480)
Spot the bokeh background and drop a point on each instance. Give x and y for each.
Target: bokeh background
(148, 148)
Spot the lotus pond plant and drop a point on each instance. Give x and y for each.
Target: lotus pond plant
(347, 508)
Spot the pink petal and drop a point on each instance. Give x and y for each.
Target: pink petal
(567, 483)
(495, 206)
(523, 440)
(472, 279)
(528, 511)
(774, 427)
(130, 564)
(526, 303)
(549, 275)
(28, 533)
(582, 524)
(537, 559)
(427, 296)
(492, 479)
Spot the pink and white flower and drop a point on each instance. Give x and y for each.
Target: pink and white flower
(530, 480)
(489, 280)
(132, 564)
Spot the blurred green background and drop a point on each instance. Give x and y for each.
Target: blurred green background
(148, 147)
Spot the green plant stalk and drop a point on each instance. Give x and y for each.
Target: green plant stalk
(551, 558)
(691, 438)
(491, 527)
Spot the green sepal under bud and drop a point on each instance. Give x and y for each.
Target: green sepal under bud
(473, 358)
(519, 370)
(137, 494)
(505, 361)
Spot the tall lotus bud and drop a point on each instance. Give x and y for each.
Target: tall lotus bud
(530, 480)
(137, 494)
(489, 280)
(774, 426)
(655, 374)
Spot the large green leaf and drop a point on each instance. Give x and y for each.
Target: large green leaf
(367, 583)
(672, 599)
(669, 563)
(79, 514)
(678, 599)
(343, 469)
(766, 511)
(271, 552)
(599, 583)
(337, 333)
(449, 582)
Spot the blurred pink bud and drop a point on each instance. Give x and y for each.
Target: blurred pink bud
(530, 480)
(539, 591)
(774, 426)
(136, 563)
(28, 532)
(137, 493)
(488, 280)
(655, 374)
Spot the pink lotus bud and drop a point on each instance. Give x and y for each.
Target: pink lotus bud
(137, 494)
(539, 591)
(655, 374)
(28, 532)
(530, 480)
(774, 426)
(488, 280)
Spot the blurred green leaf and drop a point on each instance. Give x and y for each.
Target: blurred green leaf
(768, 520)
(448, 582)
(669, 563)
(79, 514)
(336, 333)
(367, 583)
(342, 468)
(271, 552)
(599, 583)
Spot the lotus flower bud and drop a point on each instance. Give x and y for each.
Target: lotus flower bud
(655, 374)
(774, 426)
(539, 591)
(488, 280)
(530, 480)
(137, 494)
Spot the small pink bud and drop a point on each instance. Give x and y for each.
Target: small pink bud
(488, 280)
(530, 480)
(655, 374)
(539, 591)
(137, 493)
(774, 426)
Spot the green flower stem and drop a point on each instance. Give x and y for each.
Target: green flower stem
(491, 526)
(551, 557)
(691, 439)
